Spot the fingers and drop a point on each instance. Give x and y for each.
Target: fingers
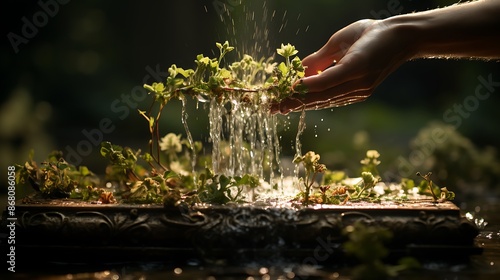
(295, 104)
(286, 106)
(348, 81)
(337, 102)
(325, 57)
(340, 95)
(336, 47)
(329, 78)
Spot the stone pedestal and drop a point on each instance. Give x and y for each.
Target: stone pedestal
(66, 231)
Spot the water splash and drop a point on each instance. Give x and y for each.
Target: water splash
(244, 139)
(481, 223)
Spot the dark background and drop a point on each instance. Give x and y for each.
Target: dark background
(85, 57)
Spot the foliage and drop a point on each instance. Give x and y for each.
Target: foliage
(333, 177)
(55, 177)
(368, 183)
(333, 188)
(91, 193)
(221, 189)
(444, 193)
(122, 162)
(173, 175)
(370, 162)
(310, 162)
(367, 245)
(248, 77)
(454, 158)
(153, 189)
(337, 188)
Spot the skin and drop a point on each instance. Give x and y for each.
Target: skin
(357, 58)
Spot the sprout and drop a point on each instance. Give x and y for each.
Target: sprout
(370, 162)
(287, 50)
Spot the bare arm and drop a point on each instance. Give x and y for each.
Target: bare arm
(367, 51)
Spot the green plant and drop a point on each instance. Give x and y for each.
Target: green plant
(312, 167)
(368, 183)
(444, 193)
(221, 189)
(370, 162)
(122, 162)
(55, 177)
(337, 188)
(154, 189)
(255, 82)
(367, 244)
(174, 171)
(456, 158)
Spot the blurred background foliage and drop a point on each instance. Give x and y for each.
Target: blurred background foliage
(85, 59)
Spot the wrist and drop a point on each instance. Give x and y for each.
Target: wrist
(409, 32)
(458, 31)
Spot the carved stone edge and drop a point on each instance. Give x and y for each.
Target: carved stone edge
(208, 230)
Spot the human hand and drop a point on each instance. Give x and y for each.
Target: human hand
(363, 53)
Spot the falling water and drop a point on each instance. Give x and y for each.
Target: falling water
(184, 117)
(244, 135)
(298, 144)
(244, 139)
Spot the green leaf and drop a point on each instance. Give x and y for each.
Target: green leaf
(149, 88)
(147, 157)
(105, 148)
(287, 50)
(224, 73)
(224, 181)
(283, 69)
(158, 87)
(170, 174)
(142, 113)
(185, 73)
(84, 171)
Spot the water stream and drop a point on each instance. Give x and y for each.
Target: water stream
(244, 140)
(244, 135)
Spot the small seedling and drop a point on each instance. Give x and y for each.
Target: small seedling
(310, 162)
(444, 195)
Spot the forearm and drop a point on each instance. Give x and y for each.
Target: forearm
(468, 30)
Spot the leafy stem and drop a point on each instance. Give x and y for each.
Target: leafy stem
(427, 178)
(444, 194)
(369, 182)
(310, 162)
